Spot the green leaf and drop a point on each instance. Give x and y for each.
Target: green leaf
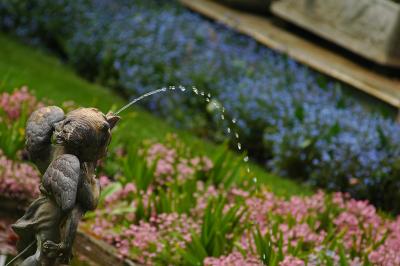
(299, 113)
(342, 256)
(334, 130)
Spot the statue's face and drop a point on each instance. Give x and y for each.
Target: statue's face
(85, 132)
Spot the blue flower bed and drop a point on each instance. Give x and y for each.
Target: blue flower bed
(301, 125)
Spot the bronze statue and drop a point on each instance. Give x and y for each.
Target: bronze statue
(65, 149)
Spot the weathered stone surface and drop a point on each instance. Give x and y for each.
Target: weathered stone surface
(370, 28)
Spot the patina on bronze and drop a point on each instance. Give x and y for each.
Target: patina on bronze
(66, 149)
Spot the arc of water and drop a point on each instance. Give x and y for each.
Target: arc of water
(139, 98)
(207, 98)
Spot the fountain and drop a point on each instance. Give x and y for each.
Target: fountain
(66, 148)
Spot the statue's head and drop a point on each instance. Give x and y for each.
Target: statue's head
(86, 133)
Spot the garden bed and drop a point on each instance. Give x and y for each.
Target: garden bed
(298, 122)
(370, 28)
(165, 205)
(161, 204)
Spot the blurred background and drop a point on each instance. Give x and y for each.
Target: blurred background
(274, 142)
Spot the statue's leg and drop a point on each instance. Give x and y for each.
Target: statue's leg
(48, 258)
(35, 259)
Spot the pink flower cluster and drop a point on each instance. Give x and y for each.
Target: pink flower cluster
(202, 195)
(142, 240)
(309, 225)
(315, 222)
(172, 165)
(359, 220)
(389, 253)
(291, 261)
(176, 228)
(18, 180)
(14, 103)
(234, 259)
(320, 229)
(145, 241)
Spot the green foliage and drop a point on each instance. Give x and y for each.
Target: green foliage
(219, 230)
(12, 134)
(176, 198)
(265, 249)
(49, 79)
(135, 169)
(227, 168)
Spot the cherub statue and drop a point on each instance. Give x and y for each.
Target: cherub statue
(65, 149)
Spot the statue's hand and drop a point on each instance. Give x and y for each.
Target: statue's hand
(50, 249)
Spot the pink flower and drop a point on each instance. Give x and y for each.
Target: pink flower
(14, 103)
(233, 259)
(207, 164)
(171, 165)
(104, 181)
(291, 261)
(388, 254)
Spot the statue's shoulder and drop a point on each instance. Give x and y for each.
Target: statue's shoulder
(39, 131)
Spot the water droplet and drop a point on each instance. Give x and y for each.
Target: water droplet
(237, 135)
(255, 179)
(172, 87)
(202, 93)
(239, 146)
(228, 129)
(182, 88)
(209, 95)
(234, 121)
(163, 89)
(222, 117)
(216, 105)
(207, 100)
(223, 109)
(246, 159)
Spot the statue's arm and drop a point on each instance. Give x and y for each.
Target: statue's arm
(61, 181)
(70, 228)
(89, 193)
(87, 199)
(39, 130)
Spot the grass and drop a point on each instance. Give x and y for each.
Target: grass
(51, 79)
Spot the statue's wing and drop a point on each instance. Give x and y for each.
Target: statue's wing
(61, 180)
(39, 129)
